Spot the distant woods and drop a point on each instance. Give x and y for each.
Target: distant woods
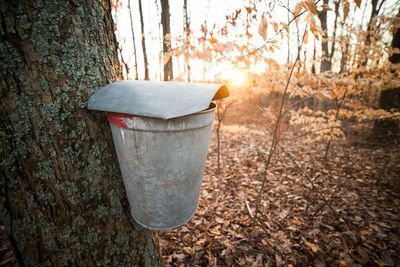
(343, 37)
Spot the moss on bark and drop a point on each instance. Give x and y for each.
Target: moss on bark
(62, 198)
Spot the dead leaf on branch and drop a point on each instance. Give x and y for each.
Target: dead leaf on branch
(326, 7)
(305, 38)
(298, 9)
(358, 3)
(310, 5)
(346, 9)
(263, 27)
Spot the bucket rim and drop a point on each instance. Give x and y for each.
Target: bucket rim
(211, 108)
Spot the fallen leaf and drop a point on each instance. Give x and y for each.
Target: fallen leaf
(313, 247)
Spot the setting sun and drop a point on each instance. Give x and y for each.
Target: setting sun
(234, 76)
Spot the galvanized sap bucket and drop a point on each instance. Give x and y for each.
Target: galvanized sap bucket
(161, 147)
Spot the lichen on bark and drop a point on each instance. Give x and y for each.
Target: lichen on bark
(62, 198)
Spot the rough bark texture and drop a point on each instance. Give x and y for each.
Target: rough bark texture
(61, 194)
(168, 74)
(325, 62)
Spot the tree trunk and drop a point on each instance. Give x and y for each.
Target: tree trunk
(133, 41)
(314, 61)
(168, 73)
(62, 198)
(333, 48)
(288, 39)
(390, 99)
(375, 9)
(146, 64)
(187, 33)
(325, 62)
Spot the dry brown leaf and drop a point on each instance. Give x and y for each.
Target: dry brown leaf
(305, 38)
(187, 250)
(298, 9)
(346, 9)
(219, 220)
(263, 27)
(278, 260)
(326, 7)
(313, 247)
(311, 6)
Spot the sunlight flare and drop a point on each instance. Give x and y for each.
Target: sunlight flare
(234, 76)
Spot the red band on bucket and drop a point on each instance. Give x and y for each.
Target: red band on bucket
(118, 119)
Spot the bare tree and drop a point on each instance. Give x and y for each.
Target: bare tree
(333, 46)
(325, 63)
(375, 9)
(187, 33)
(133, 40)
(288, 39)
(165, 21)
(390, 98)
(313, 68)
(146, 64)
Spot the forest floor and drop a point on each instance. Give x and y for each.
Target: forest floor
(343, 211)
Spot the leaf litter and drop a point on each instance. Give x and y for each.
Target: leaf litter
(343, 211)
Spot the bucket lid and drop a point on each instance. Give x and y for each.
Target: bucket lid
(164, 100)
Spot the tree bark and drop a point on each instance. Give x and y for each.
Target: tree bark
(133, 41)
(61, 194)
(375, 9)
(333, 46)
(325, 63)
(313, 68)
(165, 21)
(146, 64)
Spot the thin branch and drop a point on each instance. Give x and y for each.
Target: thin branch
(275, 139)
(286, 7)
(133, 40)
(248, 209)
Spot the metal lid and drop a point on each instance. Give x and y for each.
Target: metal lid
(164, 100)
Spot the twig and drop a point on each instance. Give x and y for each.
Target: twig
(249, 210)
(220, 118)
(275, 139)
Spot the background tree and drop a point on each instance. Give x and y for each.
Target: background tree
(165, 21)
(133, 41)
(323, 17)
(61, 194)
(187, 33)
(145, 61)
(390, 98)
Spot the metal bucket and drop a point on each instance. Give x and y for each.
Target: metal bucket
(162, 164)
